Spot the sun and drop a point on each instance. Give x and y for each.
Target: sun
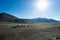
(41, 4)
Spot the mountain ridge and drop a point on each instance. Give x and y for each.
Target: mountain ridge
(5, 17)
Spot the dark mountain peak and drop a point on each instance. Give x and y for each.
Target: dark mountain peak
(6, 16)
(4, 13)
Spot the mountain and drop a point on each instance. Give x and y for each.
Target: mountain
(38, 20)
(5, 17)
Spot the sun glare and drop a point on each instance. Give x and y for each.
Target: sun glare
(41, 4)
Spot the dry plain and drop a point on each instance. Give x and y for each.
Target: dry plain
(35, 31)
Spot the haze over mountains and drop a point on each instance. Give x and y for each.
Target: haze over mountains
(5, 17)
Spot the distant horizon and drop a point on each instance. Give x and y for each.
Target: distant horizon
(28, 9)
(26, 18)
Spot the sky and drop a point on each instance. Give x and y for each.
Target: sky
(32, 8)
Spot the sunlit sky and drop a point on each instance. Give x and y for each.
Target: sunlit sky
(31, 8)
